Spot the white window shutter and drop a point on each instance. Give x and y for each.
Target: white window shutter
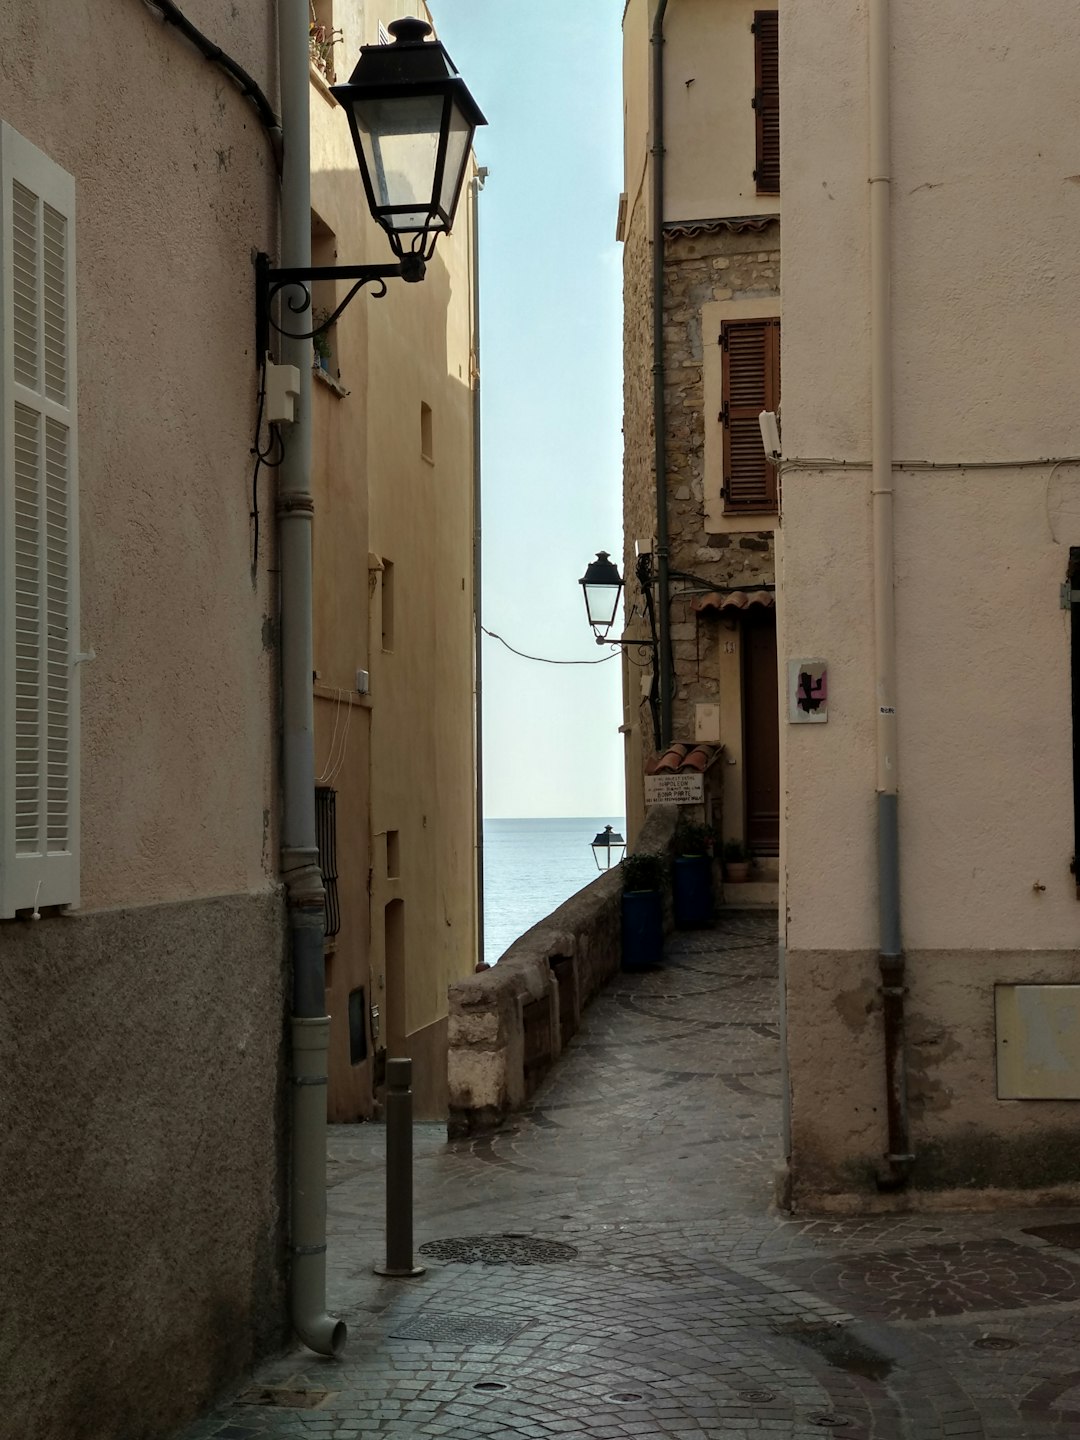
(39, 549)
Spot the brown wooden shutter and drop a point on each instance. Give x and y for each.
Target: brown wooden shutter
(767, 101)
(750, 351)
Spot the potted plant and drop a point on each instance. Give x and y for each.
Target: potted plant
(691, 877)
(321, 340)
(642, 911)
(736, 861)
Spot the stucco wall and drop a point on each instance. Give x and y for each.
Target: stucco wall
(985, 206)
(140, 1041)
(143, 1159)
(177, 706)
(408, 764)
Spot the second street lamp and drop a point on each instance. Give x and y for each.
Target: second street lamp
(602, 586)
(412, 120)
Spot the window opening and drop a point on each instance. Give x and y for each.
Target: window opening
(767, 101)
(750, 354)
(326, 834)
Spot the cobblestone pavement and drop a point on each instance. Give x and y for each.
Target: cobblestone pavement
(675, 1300)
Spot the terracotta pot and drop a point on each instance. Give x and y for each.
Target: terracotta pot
(735, 871)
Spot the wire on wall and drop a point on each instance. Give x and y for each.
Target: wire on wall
(263, 457)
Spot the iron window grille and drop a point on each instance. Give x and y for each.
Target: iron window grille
(326, 835)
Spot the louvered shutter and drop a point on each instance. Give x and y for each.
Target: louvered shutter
(39, 853)
(767, 101)
(750, 351)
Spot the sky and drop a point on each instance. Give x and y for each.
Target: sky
(548, 79)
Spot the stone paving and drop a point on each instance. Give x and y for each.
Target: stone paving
(669, 1297)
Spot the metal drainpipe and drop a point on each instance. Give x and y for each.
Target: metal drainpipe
(299, 849)
(666, 676)
(475, 186)
(899, 1158)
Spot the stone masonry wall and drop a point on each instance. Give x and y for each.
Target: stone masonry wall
(509, 1024)
(698, 269)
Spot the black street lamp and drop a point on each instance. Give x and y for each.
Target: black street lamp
(412, 121)
(607, 841)
(602, 585)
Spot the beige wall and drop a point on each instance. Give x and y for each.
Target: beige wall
(708, 118)
(409, 766)
(985, 360)
(141, 1146)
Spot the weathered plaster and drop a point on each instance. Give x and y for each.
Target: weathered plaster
(143, 1156)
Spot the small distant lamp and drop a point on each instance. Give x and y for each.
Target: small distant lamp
(608, 848)
(602, 585)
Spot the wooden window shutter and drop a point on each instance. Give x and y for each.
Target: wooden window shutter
(767, 101)
(39, 851)
(750, 353)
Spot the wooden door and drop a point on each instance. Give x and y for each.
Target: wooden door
(761, 732)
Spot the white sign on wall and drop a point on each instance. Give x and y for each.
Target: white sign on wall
(808, 692)
(687, 789)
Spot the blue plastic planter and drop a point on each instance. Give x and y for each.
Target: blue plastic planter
(642, 929)
(691, 892)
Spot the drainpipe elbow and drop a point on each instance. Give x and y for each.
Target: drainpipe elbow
(323, 1333)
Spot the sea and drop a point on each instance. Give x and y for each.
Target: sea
(530, 868)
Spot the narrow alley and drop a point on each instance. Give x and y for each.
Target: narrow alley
(611, 1264)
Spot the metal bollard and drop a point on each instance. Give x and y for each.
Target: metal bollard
(399, 1173)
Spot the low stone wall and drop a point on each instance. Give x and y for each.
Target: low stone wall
(508, 1025)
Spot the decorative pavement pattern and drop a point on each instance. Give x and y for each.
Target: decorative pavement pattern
(610, 1266)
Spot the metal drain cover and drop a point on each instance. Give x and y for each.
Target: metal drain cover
(499, 1250)
(456, 1329)
(995, 1342)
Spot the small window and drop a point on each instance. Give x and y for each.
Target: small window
(767, 101)
(323, 38)
(393, 854)
(358, 1023)
(426, 444)
(750, 354)
(326, 832)
(388, 605)
(324, 301)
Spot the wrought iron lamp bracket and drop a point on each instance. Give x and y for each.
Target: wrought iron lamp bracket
(271, 281)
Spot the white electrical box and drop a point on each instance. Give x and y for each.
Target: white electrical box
(707, 724)
(281, 388)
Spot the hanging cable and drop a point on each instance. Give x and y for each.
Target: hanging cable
(262, 457)
(543, 660)
(171, 14)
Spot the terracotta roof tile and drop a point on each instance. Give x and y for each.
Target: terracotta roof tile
(678, 757)
(737, 600)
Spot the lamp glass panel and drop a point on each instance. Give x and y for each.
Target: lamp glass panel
(400, 140)
(458, 140)
(602, 601)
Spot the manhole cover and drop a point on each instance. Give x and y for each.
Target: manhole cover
(624, 1397)
(286, 1399)
(490, 1385)
(456, 1329)
(499, 1250)
(995, 1342)
(756, 1397)
(829, 1422)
